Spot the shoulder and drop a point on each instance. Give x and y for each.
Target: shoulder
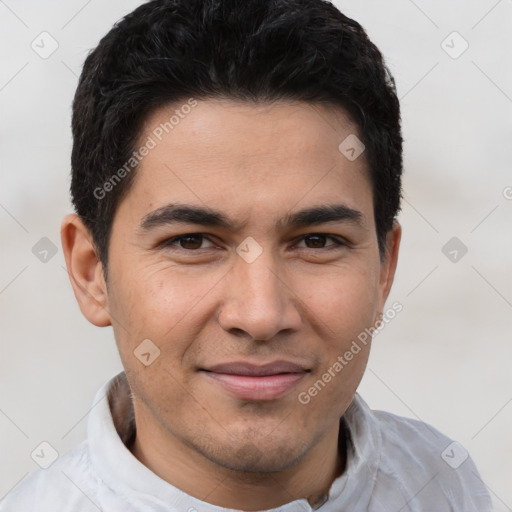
(428, 467)
(419, 467)
(68, 484)
(421, 444)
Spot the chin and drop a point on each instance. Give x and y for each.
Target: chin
(257, 459)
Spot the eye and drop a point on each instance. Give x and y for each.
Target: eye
(194, 242)
(189, 242)
(318, 240)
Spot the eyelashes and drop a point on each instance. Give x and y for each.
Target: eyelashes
(195, 241)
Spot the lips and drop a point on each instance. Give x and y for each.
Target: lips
(243, 368)
(248, 381)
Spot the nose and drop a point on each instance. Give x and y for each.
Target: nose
(259, 300)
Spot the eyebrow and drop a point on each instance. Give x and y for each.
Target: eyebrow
(189, 214)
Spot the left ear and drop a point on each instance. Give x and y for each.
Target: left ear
(389, 262)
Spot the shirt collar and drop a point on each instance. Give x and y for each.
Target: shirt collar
(111, 428)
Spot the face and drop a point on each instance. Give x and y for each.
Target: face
(249, 302)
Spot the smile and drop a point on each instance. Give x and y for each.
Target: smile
(268, 387)
(257, 383)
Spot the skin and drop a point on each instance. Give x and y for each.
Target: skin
(303, 299)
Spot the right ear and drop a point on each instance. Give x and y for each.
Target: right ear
(85, 270)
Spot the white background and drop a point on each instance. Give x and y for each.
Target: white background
(444, 359)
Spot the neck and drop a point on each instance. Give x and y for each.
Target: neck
(189, 471)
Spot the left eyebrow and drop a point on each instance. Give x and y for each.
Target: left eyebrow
(322, 215)
(190, 214)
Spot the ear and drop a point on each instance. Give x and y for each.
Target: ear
(85, 271)
(389, 262)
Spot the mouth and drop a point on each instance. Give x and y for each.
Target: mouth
(253, 382)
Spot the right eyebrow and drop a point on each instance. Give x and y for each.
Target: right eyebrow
(185, 214)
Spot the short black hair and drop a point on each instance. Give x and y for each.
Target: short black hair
(167, 51)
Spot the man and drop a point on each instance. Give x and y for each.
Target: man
(236, 176)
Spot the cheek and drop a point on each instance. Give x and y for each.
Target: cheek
(344, 300)
(341, 309)
(341, 306)
(162, 304)
(158, 305)
(155, 300)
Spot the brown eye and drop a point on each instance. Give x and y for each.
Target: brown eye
(189, 242)
(318, 241)
(315, 241)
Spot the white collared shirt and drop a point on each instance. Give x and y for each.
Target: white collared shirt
(394, 464)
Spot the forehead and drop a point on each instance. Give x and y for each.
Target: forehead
(244, 157)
